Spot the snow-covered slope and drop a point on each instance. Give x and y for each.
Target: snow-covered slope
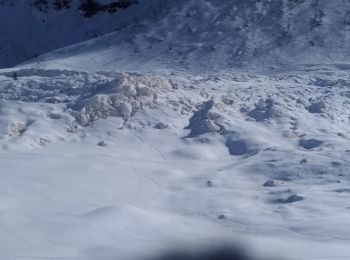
(29, 28)
(213, 35)
(115, 148)
(111, 165)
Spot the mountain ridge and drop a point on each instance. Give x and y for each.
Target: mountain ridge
(214, 35)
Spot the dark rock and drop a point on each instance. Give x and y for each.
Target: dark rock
(293, 198)
(101, 143)
(310, 143)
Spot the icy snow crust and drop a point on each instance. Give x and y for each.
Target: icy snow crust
(110, 165)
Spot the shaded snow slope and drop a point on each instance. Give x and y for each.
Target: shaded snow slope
(29, 28)
(213, 35)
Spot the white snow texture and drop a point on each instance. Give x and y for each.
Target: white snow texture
(175, 124)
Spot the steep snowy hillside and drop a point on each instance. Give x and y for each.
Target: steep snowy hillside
(213, 35)
(29, 28)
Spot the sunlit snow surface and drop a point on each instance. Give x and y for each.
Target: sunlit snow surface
(107, 165)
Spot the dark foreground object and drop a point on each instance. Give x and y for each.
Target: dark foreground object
(222, 253)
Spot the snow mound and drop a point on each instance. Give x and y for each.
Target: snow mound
(263, 110)
(123, 98)
(204, 120)
(38, 99)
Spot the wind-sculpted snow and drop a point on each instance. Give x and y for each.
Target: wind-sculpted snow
(76, 98)
(204, 120)
(110, 165)
(120, 98)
